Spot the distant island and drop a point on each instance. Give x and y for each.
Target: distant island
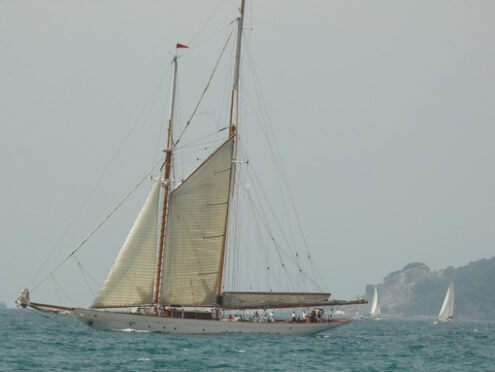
(3, 306)
(417, 291)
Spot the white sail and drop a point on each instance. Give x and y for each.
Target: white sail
(375, 306)
(130, 282)
(185, 268)
(447, 310)
(194, 237)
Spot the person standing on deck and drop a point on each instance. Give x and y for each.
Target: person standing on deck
(256, 316)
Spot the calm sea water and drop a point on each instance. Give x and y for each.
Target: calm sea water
(30, 341)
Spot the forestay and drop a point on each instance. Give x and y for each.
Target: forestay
(130, 282)
(196, 221)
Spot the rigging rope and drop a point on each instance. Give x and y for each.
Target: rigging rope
(57, 285)
(149, 103)
(96, 228)
(54, 282)
(83, 274)
(279, 249)
(205, 24)
(281, 173)
(204, 92)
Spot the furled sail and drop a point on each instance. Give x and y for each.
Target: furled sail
(252, 300)
(130, 282)
(196, 220)
(375, 306)
(447, 310)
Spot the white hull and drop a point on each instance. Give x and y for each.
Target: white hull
(106, 320)
(438, 321)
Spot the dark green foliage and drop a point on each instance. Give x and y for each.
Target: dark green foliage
(474, 292)
(413, 265)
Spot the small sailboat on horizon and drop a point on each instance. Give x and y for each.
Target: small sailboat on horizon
(375, 306)
(446, 313)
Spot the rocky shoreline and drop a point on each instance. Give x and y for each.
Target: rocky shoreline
(417, 291)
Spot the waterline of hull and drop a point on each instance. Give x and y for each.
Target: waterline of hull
(106, 320)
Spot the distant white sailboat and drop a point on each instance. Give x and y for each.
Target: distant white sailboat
(447, 311)
(375, 306)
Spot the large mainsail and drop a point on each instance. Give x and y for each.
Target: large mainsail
(375, 306)
(130, 282)
(196, 224)
(447, 310)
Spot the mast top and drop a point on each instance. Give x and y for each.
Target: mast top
(240, 21)
(242, 7)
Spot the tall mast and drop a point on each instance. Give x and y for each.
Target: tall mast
(166, 185)
(232, 133)
(237, 65)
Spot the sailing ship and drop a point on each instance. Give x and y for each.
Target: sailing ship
(375, 306)
(172, 262)
(447, 311)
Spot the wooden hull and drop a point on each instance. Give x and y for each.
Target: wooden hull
(107, 320)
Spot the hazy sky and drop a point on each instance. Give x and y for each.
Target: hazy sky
(384, 113)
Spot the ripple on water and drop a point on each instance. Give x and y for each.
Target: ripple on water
(53, 343)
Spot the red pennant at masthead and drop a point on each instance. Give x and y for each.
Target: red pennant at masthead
(181, 46)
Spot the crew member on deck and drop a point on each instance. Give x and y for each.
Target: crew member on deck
(256, 316)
